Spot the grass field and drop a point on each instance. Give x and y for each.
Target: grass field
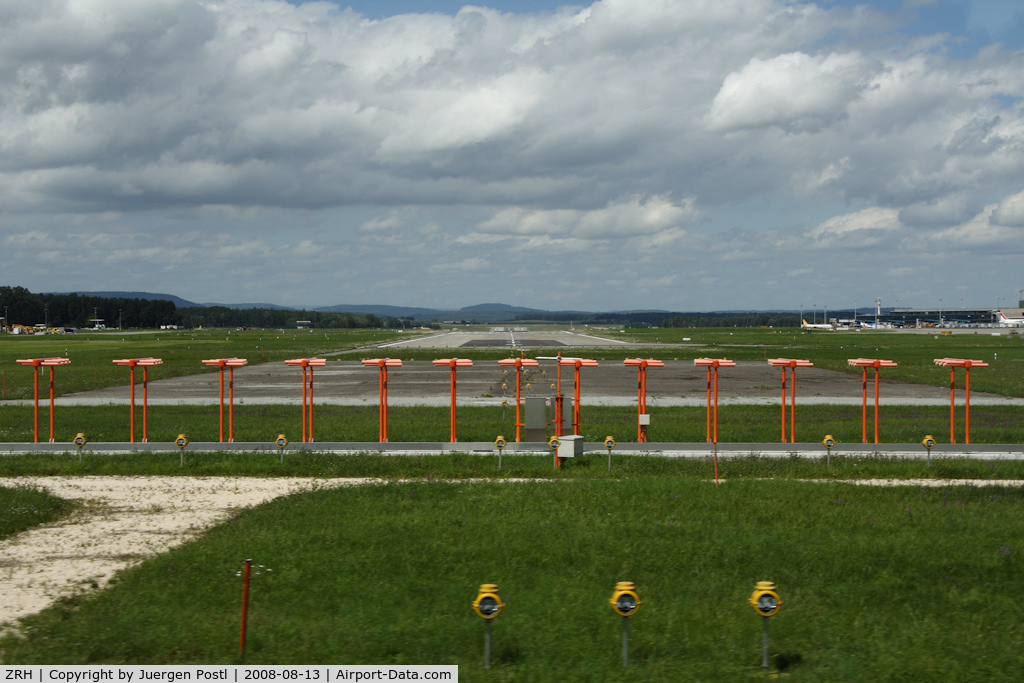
(897, 424)
(181, 351)
(878, 584)
(22, 508)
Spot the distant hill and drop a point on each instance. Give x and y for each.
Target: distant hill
(381, 309)
(145, 296)
(248, 307)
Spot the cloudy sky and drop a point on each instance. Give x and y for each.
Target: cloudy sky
(671, 154)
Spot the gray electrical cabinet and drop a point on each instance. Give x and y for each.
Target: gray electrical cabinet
(535, 420)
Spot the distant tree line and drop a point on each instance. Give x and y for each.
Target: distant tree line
(73, 310)
(667, 319)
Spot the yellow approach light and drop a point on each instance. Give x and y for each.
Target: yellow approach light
(624, 600)
(764, 599)
(488, 603)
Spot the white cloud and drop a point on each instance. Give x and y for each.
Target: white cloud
(1010, 211)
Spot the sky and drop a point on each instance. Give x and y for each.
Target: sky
(615, 155)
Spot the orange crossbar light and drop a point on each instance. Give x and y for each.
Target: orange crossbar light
(641, 365)
(953, 364)
(145, 364)
(792, 364)
(713, 363)
(36, 363)
(453, 363)
(865, 363)
(305, 363)
(382, 364)
(518, 364)
(576, 364)
(230, 364)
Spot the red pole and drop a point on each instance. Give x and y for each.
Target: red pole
(792, 405)
(519, 371)
(35, 370)
(716, 406)
(864, 411)
(222, 404)
(145, 404)
(311, 404)
(245, 605)
(51, 404)
(967, 406)
(639, 403)
(709, 417)
(876, 404)
(304, 383)
(131, 378)
(231, 404)
(952, 377)
(380, 408)
(783, 404)
(453, 403)
(576, 407)
(385, 404)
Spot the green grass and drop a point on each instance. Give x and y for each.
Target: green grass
(23, 507)
(181, 351)
(898, 424)
(915, 353)
(459, 466)
(878, 584)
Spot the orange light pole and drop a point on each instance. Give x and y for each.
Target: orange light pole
(145, 364)
(518, 364)
(307, 380)
(641, 365)
(557, 402)
(382, 364)
(792, 364)
(576, 364)
(230, 364)
(864, 364)
(713, 364)
(953, 364)
(453, 363)
(35, 364)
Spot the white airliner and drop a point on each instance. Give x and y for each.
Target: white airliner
(1009, 322)
(812, 326)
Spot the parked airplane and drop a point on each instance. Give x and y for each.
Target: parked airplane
(1009, 322)
(812, 326)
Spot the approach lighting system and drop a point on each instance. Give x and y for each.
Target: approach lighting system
(230, 364)
(145, 364)
(35, 364)
(518, 364)
(792, 364)
(953, 364)
(764, 599)
(452, 364)
(487, 606)
(307, 365)
(712, 364)
(829, 442)
(624, 599)
(929, 443)
(864, 364)
(766, 603)
(576, 364)
(625, 602)
(643, 419)
(80, 441)
(382, 365)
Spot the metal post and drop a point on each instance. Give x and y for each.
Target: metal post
(519, 372)
(967, 405)
(311, 404)
(764, 643)
(231, 404)
(35, 378)
(709, 405)
(783, 404)
(716, 408)
(245, 606)
(792, 405)
(876, 403)
(145, 404)
(305, 383)
(51, 404)
(487, 643)
(864, 407)
(222, 403)
(625, 641)
(131, 379)
(952, 378)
